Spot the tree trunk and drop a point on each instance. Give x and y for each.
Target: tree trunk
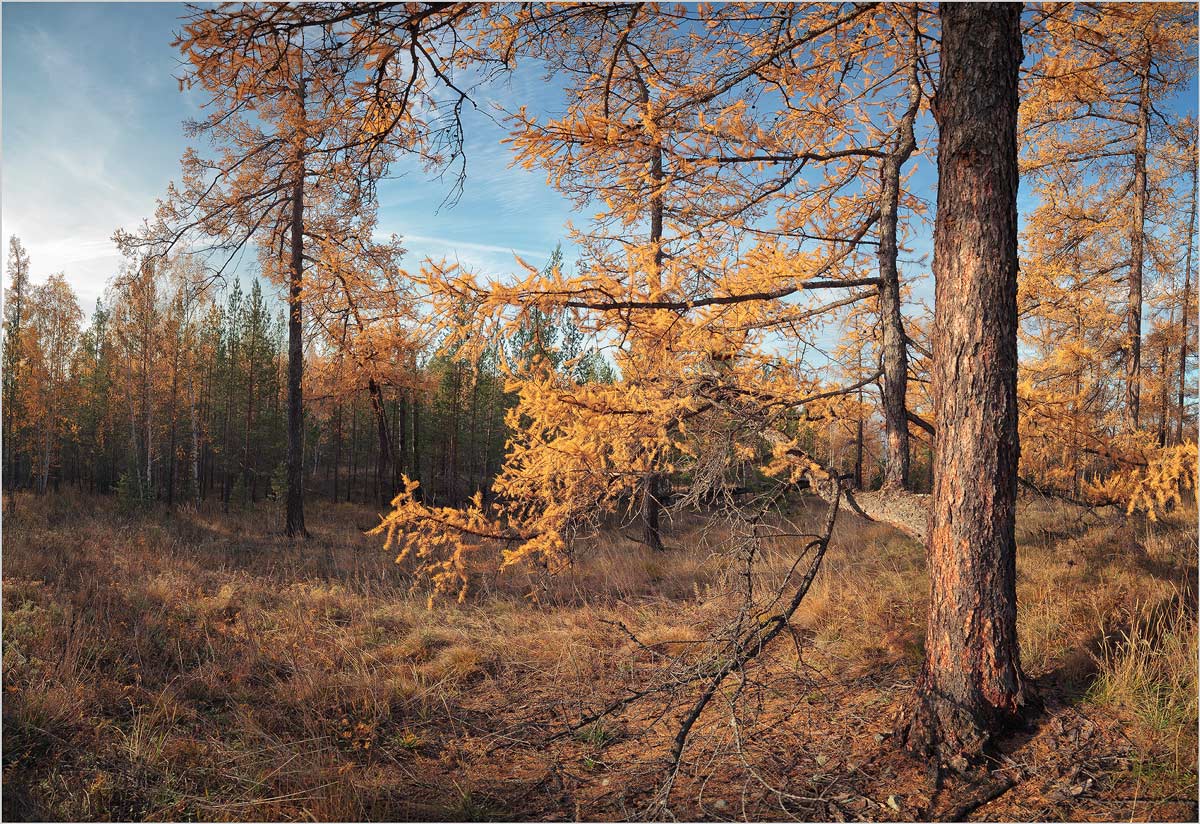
(247, 470)
(416, 444)
(295, 377)
(652, 511)
(149, 423)
(385, 455)
(133, 436)
(12, 359)
(651, 502)
(401, 435)
(337, 450)
(972, 685)
(227, 430)
(353, 471)
(895, 350)
(1137, 239)
(1164, 415)
(44, 477)
(858, 446)
(1187, 286)
(195, 421)
(171, 437)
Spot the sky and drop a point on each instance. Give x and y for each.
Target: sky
(92, 134)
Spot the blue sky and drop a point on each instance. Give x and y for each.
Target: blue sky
(92, 133)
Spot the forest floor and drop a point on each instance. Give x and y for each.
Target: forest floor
(197, 666)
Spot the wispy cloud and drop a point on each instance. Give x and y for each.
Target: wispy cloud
(454, 245)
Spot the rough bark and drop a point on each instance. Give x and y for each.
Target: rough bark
(1187, 287)
(971, 685)
(295, 373)
(1137, 240)
(894, 388)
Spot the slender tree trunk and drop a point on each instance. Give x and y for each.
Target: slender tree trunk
(1137, 240)
(171, 453)
(895, 349)
(149, 424)
(44, 478)
(337, 450)
(473, 455)
(195, 422)
(295, 377)
(651, 511)
(416, 443)
(227, 431)
(489, 434)
(651, 502)
(353, 454)
(133, 436)
(12, 367)
(972, 684)
(401, 434)
(452, 448)
(1076, 411)
(1187, 287)
(385, 445)
(858, 446)
(1164, 416)
(247, 472)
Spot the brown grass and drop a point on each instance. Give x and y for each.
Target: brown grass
(196, 665)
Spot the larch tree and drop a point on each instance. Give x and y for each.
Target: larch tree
(755, 151)
(1098, 254)
(685, 312)
(1187, 141)
(308, 106)
(971, 684)
(1093, 94)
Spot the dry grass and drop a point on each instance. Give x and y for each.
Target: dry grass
(198, 666)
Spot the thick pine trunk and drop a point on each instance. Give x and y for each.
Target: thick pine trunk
(972, 685)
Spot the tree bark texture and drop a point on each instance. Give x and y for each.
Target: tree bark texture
(295, 377)
(972, 685)
(1137, 241)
